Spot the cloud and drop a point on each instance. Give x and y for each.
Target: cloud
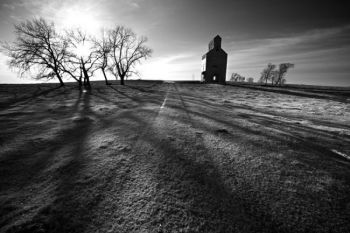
(135, 4)
(9, 6)
(178, 32)
(316, 53)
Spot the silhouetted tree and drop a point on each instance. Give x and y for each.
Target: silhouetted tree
(274, 77)
(127, 50)
(266, 73)
(69, 67)
(82, 55)
(102, 47)
(282, 71)
(235, 77)
(37, 47)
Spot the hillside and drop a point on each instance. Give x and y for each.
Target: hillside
(174, 157)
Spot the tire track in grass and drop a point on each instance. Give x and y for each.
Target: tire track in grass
(172, 185)
(129, 198)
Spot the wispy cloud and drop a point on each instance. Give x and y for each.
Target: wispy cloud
(179, 31)
(326, 49)
(9, 6)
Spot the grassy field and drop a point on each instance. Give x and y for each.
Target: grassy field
(174, 157)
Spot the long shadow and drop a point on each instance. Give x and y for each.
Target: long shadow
(125, 95)
(147, 89)
(341, 98)
(289, 136)
(292, 141)
(209, 110)
(67, 213)
(227, 108)
(155, 98)
(73, 211)
(264, 220)
(13, 160)
(212, 201)
(208, 202)
(26, 99)
(285, 135)
(20, 169)
(70, 210)
(199, 188)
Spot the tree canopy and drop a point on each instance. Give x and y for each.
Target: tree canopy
(44, 53)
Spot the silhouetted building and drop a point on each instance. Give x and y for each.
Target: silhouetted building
(214, 63)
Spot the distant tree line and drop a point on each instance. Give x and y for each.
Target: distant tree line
(45, 54)
(276, 77)
(235, 77)
(269, 75)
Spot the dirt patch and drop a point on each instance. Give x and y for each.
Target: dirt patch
(222, 131)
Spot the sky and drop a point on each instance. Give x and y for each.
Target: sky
(313, 35)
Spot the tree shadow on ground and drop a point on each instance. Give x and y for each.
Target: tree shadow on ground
(286, 136)
(150, 98)
(69, 210)
(68, 206)
(340, 96)
(295, 135)
(26, 99)
(193, 189)
(204, 200)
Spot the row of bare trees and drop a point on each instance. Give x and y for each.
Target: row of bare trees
(42, 52)
(235, 77)
(275, 76)
(269, 74)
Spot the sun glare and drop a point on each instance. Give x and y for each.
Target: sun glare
(79, 18)
(83, 50)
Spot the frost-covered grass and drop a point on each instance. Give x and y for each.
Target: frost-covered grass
(209, 158)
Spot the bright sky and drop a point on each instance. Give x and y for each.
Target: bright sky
(314, 35)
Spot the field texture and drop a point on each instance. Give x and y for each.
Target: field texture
(174, 157)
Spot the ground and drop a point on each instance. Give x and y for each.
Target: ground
(174, 157)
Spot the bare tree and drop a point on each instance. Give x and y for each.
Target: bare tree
(235, 77)
(38, 47)
(267, 72)
(82, 55)
(274, 76)
(127, 50)
(283, 68)
(102, 48)
(69, 66)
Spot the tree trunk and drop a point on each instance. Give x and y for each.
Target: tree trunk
(81, 79)
(86, 77)
(122, 80)
(59, 79)
(104, 74)
(88, 82)
(279, 80)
